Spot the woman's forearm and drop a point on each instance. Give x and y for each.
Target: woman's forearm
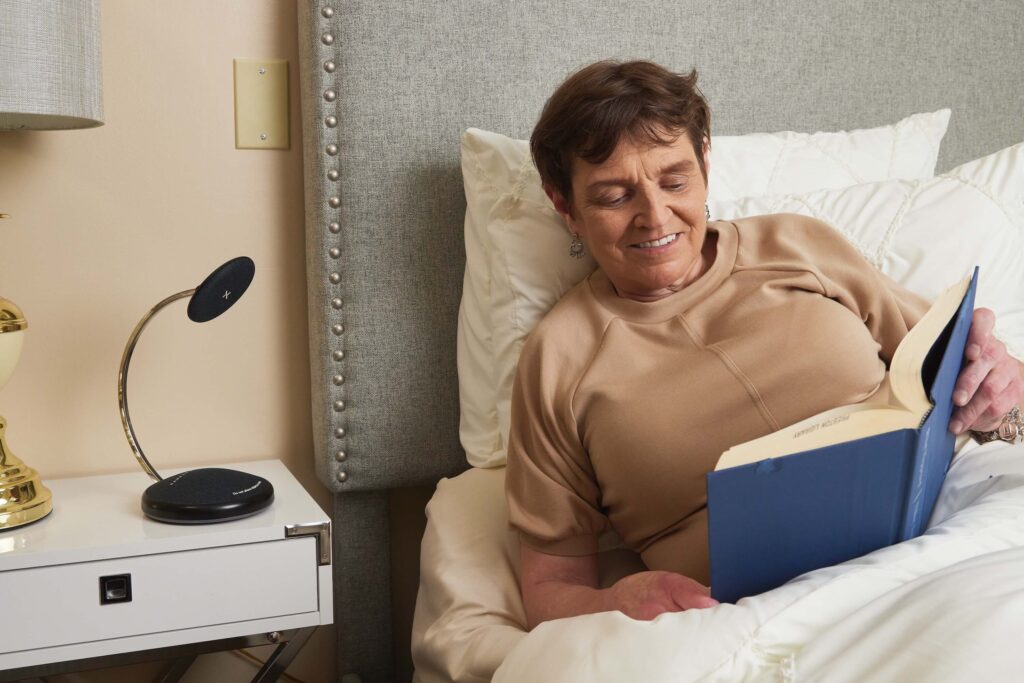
(556, 586)
(548, 600)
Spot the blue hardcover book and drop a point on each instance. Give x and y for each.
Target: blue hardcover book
(848, 481)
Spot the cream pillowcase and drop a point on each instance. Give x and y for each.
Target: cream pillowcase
(468, 611)
(517, 262)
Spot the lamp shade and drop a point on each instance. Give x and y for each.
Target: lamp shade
(50, 64)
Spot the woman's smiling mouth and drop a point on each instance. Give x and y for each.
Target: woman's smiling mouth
(667, 239)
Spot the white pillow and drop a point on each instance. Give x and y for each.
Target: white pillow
(926, 234)
(781, 163)
(504, 197)
(923, 233)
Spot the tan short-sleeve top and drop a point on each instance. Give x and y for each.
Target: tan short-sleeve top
(620, 407)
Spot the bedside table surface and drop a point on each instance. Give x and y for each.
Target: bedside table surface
(108, 521)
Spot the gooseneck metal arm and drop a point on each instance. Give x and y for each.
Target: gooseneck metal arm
(122, 382)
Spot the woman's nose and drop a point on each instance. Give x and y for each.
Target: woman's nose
(654, 210)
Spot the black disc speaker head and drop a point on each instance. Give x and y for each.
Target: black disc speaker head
(206, 496)
(221, 289)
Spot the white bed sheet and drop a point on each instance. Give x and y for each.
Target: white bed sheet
(948, 606)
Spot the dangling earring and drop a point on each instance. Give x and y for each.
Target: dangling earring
(707, 212)
(576, 246)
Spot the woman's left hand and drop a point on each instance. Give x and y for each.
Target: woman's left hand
(990, 383)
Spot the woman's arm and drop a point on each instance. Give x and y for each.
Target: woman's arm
(554, 587)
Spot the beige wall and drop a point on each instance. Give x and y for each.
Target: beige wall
(106, 222)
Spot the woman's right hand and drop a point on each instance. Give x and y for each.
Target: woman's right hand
(647, 594)
(555, 586)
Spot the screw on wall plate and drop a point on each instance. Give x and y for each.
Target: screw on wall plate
(263, 136)
(263, 70)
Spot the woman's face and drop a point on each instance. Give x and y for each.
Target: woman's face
(641, 215)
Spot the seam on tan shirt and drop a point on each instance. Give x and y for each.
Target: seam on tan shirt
(752, 391)
(576, 422)
(583, 373)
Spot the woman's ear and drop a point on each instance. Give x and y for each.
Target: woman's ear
(562, 206)
(707, 160)
(559, 201)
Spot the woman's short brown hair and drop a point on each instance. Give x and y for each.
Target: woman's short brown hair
(591, 111)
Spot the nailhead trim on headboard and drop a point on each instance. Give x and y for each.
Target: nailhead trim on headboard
(335, 394)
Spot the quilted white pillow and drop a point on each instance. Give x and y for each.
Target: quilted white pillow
(926, 234)
(780, 163)
(504, 198)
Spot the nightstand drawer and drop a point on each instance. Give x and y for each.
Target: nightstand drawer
(60, 604)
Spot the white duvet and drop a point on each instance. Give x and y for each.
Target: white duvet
(947, 606)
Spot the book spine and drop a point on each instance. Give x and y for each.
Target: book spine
(914, 492)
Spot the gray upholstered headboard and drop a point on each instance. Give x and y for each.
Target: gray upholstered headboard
(387, 89)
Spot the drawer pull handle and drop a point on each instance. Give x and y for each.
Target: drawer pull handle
(115, 588)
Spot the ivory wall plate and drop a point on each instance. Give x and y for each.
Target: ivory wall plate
(261, 104)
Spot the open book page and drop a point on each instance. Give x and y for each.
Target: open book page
(899, 403)
(845, 423)
(905, 377)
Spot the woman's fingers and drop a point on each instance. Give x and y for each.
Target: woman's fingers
(988, 386)
(987, 407)
(689, 594)
(982, 324)
(980, 384)
(981, 352)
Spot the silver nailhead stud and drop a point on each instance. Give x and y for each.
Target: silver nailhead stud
(340, 456)
(338, 355)
(339, 406)
(337, 329)
(328, 12)
(334, 227)
(342, 477)
(327, 38)
(338, 380)
(331, 121)
(334, 252)
(332, 149)
(333, 174)
(336, 303)
(339, 432)
(330, 95)
(335, 202)
(335, 278)
(329, 66)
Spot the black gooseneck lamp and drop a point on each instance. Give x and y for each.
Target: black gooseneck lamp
(210, 494)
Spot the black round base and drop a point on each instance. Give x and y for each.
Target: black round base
(207, 496)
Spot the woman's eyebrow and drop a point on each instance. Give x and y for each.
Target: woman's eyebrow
(685, 166)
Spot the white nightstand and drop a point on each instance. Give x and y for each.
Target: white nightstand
(178, 591)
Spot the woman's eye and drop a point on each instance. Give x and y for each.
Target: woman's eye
(675, 187)
(611, 200)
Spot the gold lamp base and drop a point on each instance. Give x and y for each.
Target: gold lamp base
(23, 498)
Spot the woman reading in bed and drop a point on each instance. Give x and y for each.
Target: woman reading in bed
(690, 337)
